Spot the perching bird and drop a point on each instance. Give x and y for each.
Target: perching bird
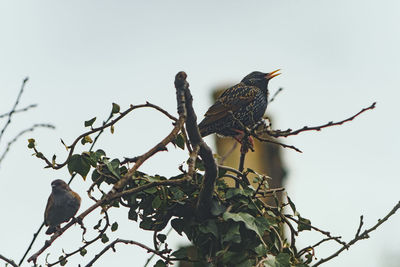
(62, 205)
(243, 104)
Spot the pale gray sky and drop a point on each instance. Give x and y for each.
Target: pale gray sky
(336, 58)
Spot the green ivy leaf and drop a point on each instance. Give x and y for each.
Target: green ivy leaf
(156, 203)
(199, 165)
(161, 238)
(247, 219)
(261, 250)
(80, 164)
(90, 122)
(31, 143)
(104, 238)
(160, 263)
(281, 260)
(132, 214)
(180, 253)
(62, 260)
(217, 208)
(262, 224)
(115, 108)
(86, 139)
(113, 167)
(178, 225)
(210, 227)
(83, 252)
(231, 192)
(180, 141)
(291, 204)
(304, 224)
(97, 225)
(150, 190)
(114, 227)
(233, 234)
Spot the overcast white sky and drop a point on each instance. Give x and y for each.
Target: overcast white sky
(336, 58)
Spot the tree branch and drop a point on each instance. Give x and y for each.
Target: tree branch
(8, 261)
(205, 152)
(131, 242)
(289, 132)
(98, 129)
(14, 107)
(31, 129)
(87, 243)
(115, 192)
(275, 94)
(358, 236)
(19, 110)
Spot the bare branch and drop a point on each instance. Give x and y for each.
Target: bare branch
(328, 234)
(87, 243)
(289, 132)
(19, 110)
(8, 261)
(205, 152)
(31, 129)
(363, 235)
(14, 107)
(227, 154)
(116, 191)
(131, 242)
(98, 129)
(275, 94)
(35, 235)
(277, 143)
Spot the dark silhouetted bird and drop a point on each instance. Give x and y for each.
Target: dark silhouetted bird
(62, 205)
(241, 105)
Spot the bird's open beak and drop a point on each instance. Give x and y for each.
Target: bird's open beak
(273, 74)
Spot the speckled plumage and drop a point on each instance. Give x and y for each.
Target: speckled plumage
(62, 205)
(243, 104)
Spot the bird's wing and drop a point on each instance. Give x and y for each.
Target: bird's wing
(231, 100)
(50, 202)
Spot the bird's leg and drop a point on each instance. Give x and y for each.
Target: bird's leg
(58, 229)
(247, 144)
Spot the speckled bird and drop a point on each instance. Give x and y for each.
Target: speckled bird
(243, 104)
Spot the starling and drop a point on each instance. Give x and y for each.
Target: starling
(239, 106)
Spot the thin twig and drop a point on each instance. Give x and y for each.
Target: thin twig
(290, 132)
(98, 129)
(19, 110)
(306, 249)
(328, 234)
(9, 144)
(131, 242)
(8, 261)
(69, 182)
(185, 97)
(277, 143)
(14, 107)
(275, 94)
(363, 235)
(117, 190)
(360, 226)
(35, 235)
(227, 154)
(152, 255)
(87, 243)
